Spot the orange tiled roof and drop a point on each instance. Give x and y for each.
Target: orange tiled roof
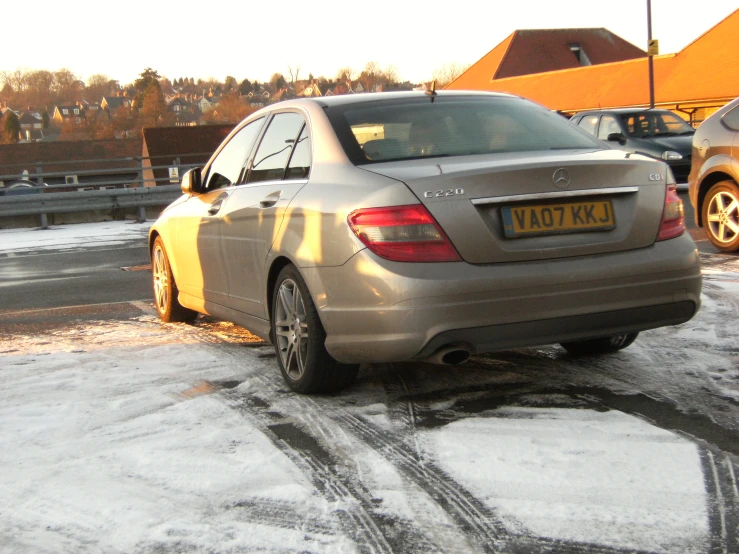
(538, 50)
(484, 70)
(705, 71)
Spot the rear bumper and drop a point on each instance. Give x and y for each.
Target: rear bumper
(548, 331)
(374, 310)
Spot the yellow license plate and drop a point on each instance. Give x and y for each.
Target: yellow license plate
(558, 218)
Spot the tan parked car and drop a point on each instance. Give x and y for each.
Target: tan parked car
(400, 226)
(714, 177)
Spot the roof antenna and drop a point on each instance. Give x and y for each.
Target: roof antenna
(432, 91)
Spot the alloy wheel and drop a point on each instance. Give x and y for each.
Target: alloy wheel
(161, 280)
(723, 217)
(291, 329)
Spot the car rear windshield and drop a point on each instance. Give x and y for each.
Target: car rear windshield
(389, 130)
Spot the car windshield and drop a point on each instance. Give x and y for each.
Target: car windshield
(387, 130)
(655, 124)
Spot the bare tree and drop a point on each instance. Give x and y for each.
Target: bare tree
(231, 109)
(448, 73)
(67, 86)
(293, 73)
(345, 74)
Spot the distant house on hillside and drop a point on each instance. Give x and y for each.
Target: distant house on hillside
(68, 114)
(31, 127)
(280, 95)
(89, 106)
(186, 113)
(313, 90)
(166, 150)
(204, 104)
(259, 98)
(112, 103)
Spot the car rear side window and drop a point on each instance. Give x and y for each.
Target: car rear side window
(300, 161)
(654, 124)
(277, 144)
(387, 130)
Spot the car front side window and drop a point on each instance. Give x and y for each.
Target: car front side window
(273, 153)
(227, 168)
(608, 125)
(588, 123)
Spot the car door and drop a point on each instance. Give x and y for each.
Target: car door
(255, 210)
(201, 268)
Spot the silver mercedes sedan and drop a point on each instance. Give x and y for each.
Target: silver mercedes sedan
(423, 226)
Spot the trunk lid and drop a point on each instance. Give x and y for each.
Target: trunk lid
(507, 207)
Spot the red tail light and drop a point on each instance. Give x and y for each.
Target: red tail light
(673, 216)
(403, 234)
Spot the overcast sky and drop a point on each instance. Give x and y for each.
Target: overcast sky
(255, 39)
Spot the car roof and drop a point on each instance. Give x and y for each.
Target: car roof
(360, 98)
(622, 111)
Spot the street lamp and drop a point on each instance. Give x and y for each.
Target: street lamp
(650, 53)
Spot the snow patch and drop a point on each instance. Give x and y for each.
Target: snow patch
(581, 475)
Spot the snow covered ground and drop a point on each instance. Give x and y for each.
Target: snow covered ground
(62, 237)
(137, 436)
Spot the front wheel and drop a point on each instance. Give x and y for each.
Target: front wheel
(165, 288)
(721, 216)
(602, 345)
(299, 339)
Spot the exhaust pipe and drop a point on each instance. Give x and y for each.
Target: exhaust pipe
(449, 355)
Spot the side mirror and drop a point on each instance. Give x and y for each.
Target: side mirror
(617, 137)
(191, 181)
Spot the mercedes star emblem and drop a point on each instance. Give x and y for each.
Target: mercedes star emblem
(561, 178)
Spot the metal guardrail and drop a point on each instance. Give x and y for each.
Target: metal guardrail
(111, 199)
(120, 185)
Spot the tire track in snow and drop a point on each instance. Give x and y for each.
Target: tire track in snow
(276, 513)
(469, 513)
(471, 516)
(720, 477)
(474, 512)
(354, 504)
(318, 463)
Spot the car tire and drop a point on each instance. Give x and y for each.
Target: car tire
(720, 214)
(299, 339)
(603, 345)
(167, 305)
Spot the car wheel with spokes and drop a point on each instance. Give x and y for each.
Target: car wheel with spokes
(721, 216)
(165, 287)
(603, 345)
(299, 339)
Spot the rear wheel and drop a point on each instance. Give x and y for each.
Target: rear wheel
(165, 288)
(299, 339)
(721, 216)
(602, 345)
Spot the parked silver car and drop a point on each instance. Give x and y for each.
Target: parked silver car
(714, 179)
(400, 226)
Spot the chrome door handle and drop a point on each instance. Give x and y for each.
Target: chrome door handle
(214, 208)
(270, 200)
